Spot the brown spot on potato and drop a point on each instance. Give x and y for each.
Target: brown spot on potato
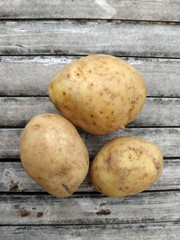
(63, 171)
(68, 75)
(92, 115)
(90, 71)
(36, 126)
(34, 208)
(91, 84)
(40, 178)
(103, 212)
(101, 112)
(145, 175)
(66, 188)
(94, 123)
(113, 96)
(157, 165)
(39, 214)
(107, 160)
(64, 93)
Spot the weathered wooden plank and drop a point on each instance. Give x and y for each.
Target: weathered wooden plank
(25, 76)
(84, 37)
(156, 112)
(89, 209)
(149, 231)
(18, 111)
(168, 139)
(154, 10)
(13, 178)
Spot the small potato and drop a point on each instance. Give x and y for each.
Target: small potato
(98, 93)
(126, 166)
(53, 154)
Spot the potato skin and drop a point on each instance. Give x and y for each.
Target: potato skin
(98, 93)
(126, 166)
(53, 154)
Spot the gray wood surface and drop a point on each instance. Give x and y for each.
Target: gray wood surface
(84, 37)
(89, 209)
(148, 231)
(26, 76)
(164, 10)
(168, 139)
(17, 111)
(38, 38)
(13, 178)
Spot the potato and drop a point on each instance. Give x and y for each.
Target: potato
(98, 93)
(53, 154)
(126, 166)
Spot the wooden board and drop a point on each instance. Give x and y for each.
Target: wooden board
(13, 178)
(156, 112)
(89, 209)
(97, 9)
(27, 76)
(168, 139)
(146, 231)
(85, 37)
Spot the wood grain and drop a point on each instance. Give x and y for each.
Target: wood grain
(17, 111)
(168, 139)
(149, 231)
(26, 76)
(85, 37)
(85, 209)
(13, 178)
(164, 10)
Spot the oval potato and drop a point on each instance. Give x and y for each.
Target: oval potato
(53, 154)
(98, 93)
(126, 166)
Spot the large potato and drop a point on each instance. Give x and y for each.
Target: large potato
(126, 166)
(53, 154)
(98, 93)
